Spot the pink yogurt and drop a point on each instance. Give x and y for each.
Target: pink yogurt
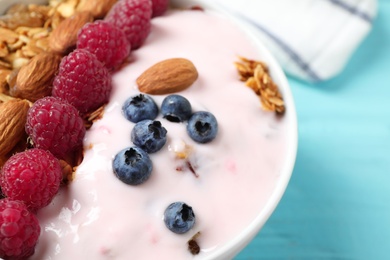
(99, 217)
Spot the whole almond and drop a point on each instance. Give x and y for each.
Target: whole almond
(98, 8)
(168, 76)
(35, 79)
(13, 116)
(64, 36)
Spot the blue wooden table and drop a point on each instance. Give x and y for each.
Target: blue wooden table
(337, 205)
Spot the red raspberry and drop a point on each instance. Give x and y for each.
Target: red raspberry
(19, 230)
(133, 17)
(159, 7)
(32, 176)
(83, 81)
(55, 125)
(107, 42)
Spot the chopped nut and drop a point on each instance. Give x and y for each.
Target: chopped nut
(19, 62)
(93, 116)
(67, 8)
(181, 149)
(8, 36)
(67, 171)
(98, 8)
(5, 65)
(42, 43)
(4, 74)
(37, 33)
(3, 50)
(17, 45)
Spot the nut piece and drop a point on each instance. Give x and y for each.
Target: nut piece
(64, 36)
(15, 20)
(13, 114)
(168, 76)
(35, 79)
(4, 74)
(8, 36)
(98, 8)
(67, 171)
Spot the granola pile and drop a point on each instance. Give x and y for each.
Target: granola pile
(26, 29)
(33, 40)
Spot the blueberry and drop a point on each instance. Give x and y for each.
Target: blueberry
(140, 107)
(132, 166)
(202, 127)
(176, 108)
(149, 135)
(179, 217)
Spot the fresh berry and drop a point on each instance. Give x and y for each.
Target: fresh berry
(149, 135)
(108, 43)
(133, 17)
(159, 7)
(83, 81)
(132, 165)
(19, 230)
(140, 107)
(32, 176)
(55, 125)
(179, 217)
(202, 127)
(176, 108)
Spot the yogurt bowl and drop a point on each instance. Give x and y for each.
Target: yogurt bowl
(233, 183)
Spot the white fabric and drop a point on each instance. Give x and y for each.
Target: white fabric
(312, 39)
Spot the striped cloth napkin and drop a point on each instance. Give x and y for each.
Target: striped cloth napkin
(311, 39)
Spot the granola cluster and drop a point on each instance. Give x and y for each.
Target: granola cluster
(256, 75)
(25, 31)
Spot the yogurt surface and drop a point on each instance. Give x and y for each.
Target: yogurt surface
(98, 217)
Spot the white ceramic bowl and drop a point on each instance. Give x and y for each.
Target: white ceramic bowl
(234, 246)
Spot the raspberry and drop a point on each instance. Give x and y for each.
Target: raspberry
(19, 230)
(133, 17)
(159, 7)
(55, 125)
(32, 176)
(83, 81)
(108, 43)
